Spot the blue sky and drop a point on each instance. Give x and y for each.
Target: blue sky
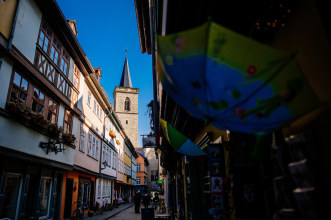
(105, 29)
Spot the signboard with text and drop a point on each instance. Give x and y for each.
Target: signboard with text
(149, 141)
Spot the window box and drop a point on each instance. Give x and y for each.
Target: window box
(39, 120)
(54, 131)
(19, 109)
(68, 138)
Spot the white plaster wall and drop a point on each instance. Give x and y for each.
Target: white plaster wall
(18, 137)
(5, 74)
(81, 158)
(108, 170)
(27, 29)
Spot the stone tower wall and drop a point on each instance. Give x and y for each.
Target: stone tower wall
(131, 128)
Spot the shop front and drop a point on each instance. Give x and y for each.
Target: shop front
(30, 189)
(78, 190)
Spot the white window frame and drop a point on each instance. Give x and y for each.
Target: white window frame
(89, 97)
(82, 138)
(93, 146)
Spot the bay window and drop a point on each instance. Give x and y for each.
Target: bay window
(48, 42)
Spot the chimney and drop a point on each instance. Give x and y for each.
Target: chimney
(72, 24)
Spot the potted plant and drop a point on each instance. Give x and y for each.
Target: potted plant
(39, 119)
(20, 109)
(68, 138)
(54, 130)
(112, 134)
(118, 142)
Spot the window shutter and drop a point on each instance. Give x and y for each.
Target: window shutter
(89, 144)
(82, 138)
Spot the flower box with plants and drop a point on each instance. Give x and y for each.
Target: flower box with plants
(39, 120)
(68, 138)
(19, 109)
(112, 134)
(54, 131)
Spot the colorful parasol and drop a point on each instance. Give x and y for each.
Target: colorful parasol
(180, 142)
(231, 81)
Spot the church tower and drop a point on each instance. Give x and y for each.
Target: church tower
(126, 104)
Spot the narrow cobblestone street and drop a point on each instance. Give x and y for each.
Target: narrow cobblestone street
(127, 214)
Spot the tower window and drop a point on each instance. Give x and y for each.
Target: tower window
(126, 122)
(127, 104)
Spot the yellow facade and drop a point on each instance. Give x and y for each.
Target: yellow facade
(7, 14)
(127, 161)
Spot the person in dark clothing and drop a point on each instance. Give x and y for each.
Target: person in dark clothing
(146, 200)
(137, 201)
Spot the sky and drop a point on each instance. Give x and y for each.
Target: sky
(106, 28)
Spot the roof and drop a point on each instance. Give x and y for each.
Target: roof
(126, 79)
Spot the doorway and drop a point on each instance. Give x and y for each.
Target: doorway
(68, 198)
(11, 196)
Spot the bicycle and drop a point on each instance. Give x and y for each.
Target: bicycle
(78, 212)
(99, 208)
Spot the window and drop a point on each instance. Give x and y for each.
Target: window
(84, 192)
(22, 91)
(138, 180)
(93, 146)
(126, 122)
(38, 100)
(82, 138)
(53, 109)
(104, 189)
(49, 43)
(114, 160)
(109, 157)
(99, 188)
(94, 106)
(19, 91)
(45, 196)
(89, 98)
(103, 156)
(138, 167)
(44, 36)
(67, 122)
(65, 63)
(55, 51)
(76, 77)
(127, 104)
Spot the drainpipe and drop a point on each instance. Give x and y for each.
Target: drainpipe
(10, 40)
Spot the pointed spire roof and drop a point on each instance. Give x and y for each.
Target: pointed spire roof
(126, 78)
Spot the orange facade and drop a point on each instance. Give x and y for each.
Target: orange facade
(142, 174)
(74, 185)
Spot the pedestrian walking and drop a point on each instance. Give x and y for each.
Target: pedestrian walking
(137, 201)
(146, 200)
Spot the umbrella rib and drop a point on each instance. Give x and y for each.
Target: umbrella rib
(291, 57)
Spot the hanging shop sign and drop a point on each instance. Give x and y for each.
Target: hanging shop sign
(149, 141)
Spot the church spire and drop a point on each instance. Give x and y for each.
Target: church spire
(126, 78)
